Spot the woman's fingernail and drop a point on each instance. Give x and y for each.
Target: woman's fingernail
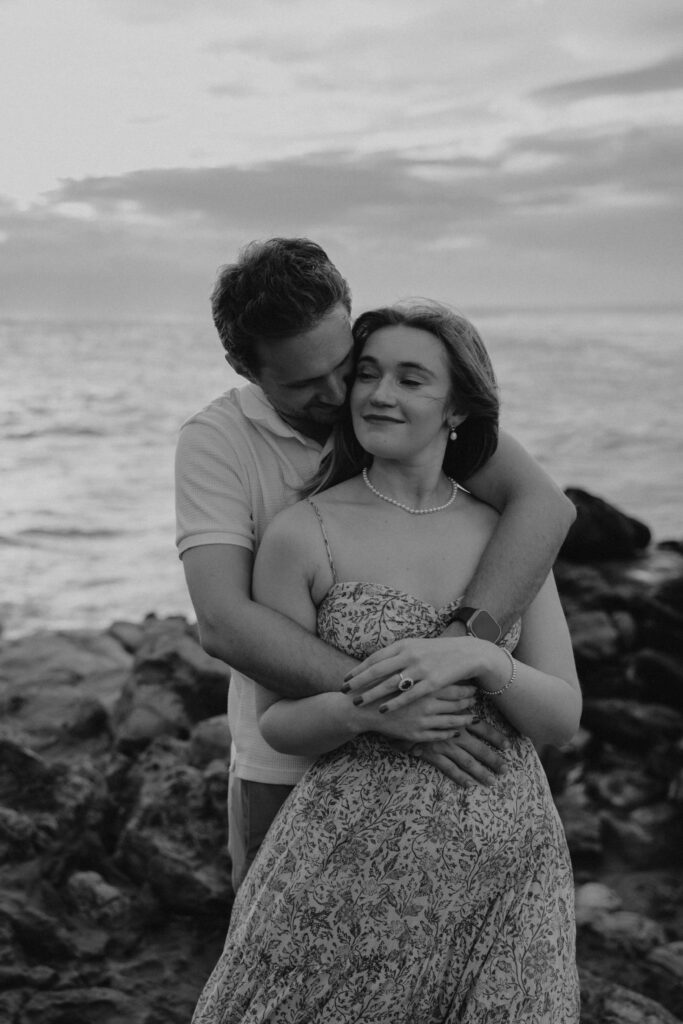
(456, 734)
(348, 675)
(357, 701)
(475, 721)
(383, 708)
(346, 688)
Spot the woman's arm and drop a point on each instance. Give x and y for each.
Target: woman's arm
(544, 699)
(535, 517)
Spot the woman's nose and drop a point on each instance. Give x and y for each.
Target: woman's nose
(382, 393)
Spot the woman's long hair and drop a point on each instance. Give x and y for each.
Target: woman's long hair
(473, 388)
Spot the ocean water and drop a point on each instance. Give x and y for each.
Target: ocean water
(89, 415)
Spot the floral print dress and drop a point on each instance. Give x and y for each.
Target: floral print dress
(386, 894)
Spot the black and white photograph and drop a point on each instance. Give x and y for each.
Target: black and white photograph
(341, 533)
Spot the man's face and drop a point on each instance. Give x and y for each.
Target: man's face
(306, 377)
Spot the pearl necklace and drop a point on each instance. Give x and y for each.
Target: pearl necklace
(407, 508)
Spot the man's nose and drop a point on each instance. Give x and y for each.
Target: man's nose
(335, 389)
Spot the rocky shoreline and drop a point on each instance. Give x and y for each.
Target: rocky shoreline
(115, 892)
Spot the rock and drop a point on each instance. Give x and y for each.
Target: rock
(600, 531)
(26, 779)
(89, 719)
(671, 545)
(129, 634)
(57, 689)
(67, 657)
(32, 977)
(670, 591)
(582, 826)
(10, 1004)
(201, 682)
(600, 636)
(75, 1005)
(624, 789)
(675, 791)
(665, 965)
(210, 741)
(660, 676)
(604, 1002)
(173, 686)
(146, 712)
(174, 840)
(663, 627)
(581, 587)
(40, 937)
(629, 723)
(60, 808)
(55, 719)
(216, 778)
(97, 900)
(594, 898)
(648, 837)
(629, 933)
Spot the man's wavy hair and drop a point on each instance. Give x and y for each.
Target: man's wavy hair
(473, 387)
(276, 289)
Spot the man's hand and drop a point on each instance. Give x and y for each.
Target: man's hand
(467, 759)
(433, 717)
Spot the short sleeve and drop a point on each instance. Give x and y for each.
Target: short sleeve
(212, 497)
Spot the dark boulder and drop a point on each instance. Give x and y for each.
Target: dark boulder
(601, 531)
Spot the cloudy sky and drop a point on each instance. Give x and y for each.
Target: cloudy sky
(497, 152)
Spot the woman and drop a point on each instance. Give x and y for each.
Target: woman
(383, 892)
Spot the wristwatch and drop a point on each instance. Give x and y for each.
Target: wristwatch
(479, 623)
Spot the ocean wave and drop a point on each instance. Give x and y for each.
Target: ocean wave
(65, 431)
(11, 542)
(67, 532)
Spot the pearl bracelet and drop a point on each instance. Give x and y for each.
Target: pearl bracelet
(496, 693)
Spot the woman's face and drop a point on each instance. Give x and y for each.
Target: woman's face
(401, 395)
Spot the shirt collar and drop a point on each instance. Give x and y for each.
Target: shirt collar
(256, 407)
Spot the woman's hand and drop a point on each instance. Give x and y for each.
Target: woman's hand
(409, 670)
(430, 718)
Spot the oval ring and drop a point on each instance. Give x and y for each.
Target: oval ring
(405, 682)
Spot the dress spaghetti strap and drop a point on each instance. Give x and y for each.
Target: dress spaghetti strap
(327, 543)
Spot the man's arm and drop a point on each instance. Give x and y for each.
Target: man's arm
(535, 518)
(251, 638)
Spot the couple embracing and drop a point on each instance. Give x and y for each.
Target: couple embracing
(372, 560)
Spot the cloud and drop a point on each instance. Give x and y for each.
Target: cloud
(572, 215)
(663, 76)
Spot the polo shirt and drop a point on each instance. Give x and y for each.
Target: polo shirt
(237, 465)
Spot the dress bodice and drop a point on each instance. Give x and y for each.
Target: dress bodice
(360, 618)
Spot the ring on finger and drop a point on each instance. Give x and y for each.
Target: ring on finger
(405, 682)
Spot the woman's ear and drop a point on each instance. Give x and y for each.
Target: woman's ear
(454, 419)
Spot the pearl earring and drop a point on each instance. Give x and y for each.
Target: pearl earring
(452, 434)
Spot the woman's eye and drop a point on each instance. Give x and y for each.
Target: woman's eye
(409, 382)
(364, 375)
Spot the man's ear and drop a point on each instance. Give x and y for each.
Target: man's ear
(238, 367)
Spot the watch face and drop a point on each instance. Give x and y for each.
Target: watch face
(484, 626)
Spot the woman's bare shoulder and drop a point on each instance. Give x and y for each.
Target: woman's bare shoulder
(294, 522)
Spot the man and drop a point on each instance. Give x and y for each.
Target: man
(283, 315)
